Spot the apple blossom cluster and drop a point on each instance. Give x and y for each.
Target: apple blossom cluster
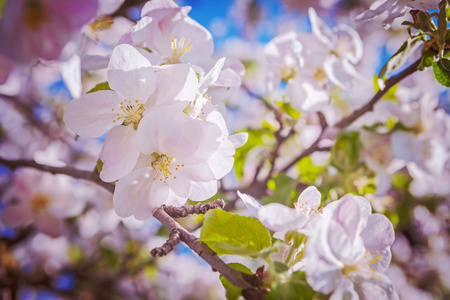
(166, 141)
(347, 248)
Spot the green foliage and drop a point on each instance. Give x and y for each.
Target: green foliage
(294, 287)
(2, 6)
(426, 60)
(228, 233)
(282, 187)
(345, 152)
(233, 292)
(441, 71)
(308, 171)
(99, 87)
(99, 165)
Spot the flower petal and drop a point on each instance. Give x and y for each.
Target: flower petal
(119, 153)
(92, 114)
(131, 74)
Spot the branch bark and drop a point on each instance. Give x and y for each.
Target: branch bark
(80, 174)
(235, 277)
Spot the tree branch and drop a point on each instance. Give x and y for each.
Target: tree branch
(369, 106)
(235, 277)
(81, 174)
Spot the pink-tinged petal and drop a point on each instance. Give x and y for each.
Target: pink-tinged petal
(310, 197)
(48, 224)
(202, 190)
(251, 203)
(379, 233)
(92, 115)
(197, 35)
(119, 153)
(158, 132)
(278, 217)
(377, 286)
(338, 241)
(345, 290)
(175, 83)
(157, 4)
(16, 215)
(139, 195)
(348, 216)
(131, 74)
(109, 7)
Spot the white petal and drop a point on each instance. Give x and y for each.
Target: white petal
(92, 114)
(131, 74)
(238, 139)
(278, 217)
(137, 194)
(310, 196)
(71, 74)
(251, 203)
(202, 190)
(119, 153)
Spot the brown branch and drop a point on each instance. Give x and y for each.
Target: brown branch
(235, 277)
(369, 106)
(81, 174)
(200, 208)
(169, 245)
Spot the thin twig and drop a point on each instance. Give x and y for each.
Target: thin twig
(369, 106)
(81, 174)
(200, 208)
(169, 245)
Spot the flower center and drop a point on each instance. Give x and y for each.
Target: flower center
(131, 113)
(287, 73)
(164, 165)
(363, 265)
(320, 75)
(40, 202)
(179, 47)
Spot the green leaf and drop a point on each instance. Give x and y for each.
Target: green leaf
(228, 233)
(426, 60)
(2, 6)
(99, 165)
(233, 292)
(308, 171)
(282, 187)
(100, 87)
(441, 71)
(400, 57)
(295, 287)
(345, 151)
(280, 267)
